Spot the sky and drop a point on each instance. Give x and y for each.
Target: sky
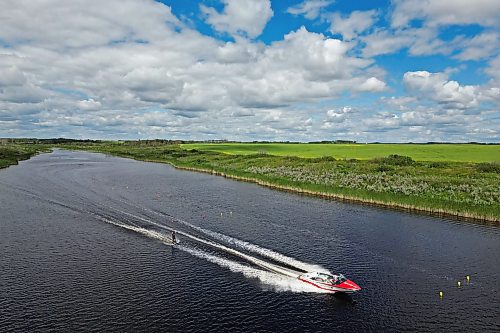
(298, 70)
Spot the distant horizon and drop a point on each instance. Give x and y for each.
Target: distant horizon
(246, 70)
(222, 141)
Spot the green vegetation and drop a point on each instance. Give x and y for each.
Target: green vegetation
(419, 152)
(12, 153)
(455, 188)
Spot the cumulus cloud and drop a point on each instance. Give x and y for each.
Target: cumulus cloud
(131, 68)
(310, 9)
(372, 85)
(338, 115)
(240, 17)
(350, 26)
(437, 87)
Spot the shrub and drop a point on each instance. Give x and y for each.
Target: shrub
(324, 159)
(488, 167)
(398, 160)
(384, 168)
(438, 165)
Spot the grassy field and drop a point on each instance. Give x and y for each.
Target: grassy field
(455, 188)
(418, 152)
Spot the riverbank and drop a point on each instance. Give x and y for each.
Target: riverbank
(11, 154)
(467, 190)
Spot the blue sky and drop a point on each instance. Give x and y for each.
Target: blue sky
(304, 70)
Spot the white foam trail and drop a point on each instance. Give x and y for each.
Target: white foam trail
(256, 249)
(160, 236)
(268, 253)
(149, 233)
(259, 250)
(277, 282)
(242, 244)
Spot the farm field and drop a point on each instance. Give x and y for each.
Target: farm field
(475, 153)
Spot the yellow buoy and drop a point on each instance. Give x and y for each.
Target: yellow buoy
(468, 278)
(441, 294)
(459, 283)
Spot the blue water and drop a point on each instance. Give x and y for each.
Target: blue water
(68, 264)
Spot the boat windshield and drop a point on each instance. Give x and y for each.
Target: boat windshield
(335, 279)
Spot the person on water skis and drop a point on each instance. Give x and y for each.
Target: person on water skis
(174, 239)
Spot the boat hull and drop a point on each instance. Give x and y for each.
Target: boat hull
(347, 287)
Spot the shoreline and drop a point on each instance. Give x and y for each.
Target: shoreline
(23, 158)
(332, 196)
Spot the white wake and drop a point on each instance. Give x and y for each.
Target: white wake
(279, 279)
(239, 243)
(276, 282)
(259, 250)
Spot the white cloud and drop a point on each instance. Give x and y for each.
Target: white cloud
(400, 103)
(372, 84)
(89, 105)
(240, 17)
(97, 22)
(419, 41)
(424, 37)
(384, 42)
(443, 12)
(338, 115)
(437, 87)
(151, 66)
(131, 69)
(478, 47)
(493, 70)
(310, 9)
(350, 26)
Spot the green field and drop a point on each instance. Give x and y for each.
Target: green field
(419, 152)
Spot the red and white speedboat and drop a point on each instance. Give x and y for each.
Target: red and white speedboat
(330, 283)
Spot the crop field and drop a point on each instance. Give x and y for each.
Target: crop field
(475, 153)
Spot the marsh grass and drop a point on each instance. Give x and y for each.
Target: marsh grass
(11, 154)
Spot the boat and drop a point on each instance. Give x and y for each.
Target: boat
(332, 283)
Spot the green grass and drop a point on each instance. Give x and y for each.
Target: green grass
(419, 152)
(11, 154)
(456, 188)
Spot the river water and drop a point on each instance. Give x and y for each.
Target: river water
(84, 247)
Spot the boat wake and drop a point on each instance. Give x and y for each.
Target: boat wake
(272, 276)
(273, 281)
(302, 266)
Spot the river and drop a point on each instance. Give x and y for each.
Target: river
(84, 247)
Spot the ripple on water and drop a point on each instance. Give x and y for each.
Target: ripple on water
(64, 269)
